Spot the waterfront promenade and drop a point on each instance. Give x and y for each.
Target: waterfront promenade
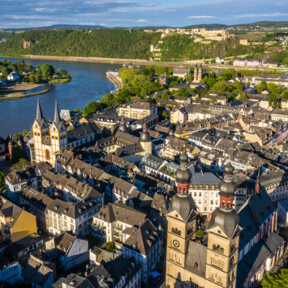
(114, 78)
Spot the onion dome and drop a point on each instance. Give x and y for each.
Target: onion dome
(228, 169)
(122, 126)
(227, 220)
(184, 205)
(184, 157)
(183, 174)
(227, 187)
(144, 136)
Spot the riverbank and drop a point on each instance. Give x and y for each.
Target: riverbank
(19, 95)
(115, 79)
(142, 62)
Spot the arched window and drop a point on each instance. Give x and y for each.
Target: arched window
(47, 154)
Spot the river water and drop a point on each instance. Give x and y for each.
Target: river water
(88, 83)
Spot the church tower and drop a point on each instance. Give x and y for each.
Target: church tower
(122, 126)
(200, 74)
(40, 129)
(196, 73)
(58, 135)
(145, 140)
(182, 224)
(223, 237)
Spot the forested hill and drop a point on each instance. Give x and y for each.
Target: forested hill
(111, 43)
(122, 43)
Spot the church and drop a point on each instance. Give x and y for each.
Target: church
(238, 247)
(51, 137)
(48, 138)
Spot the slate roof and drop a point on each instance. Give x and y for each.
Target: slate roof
(152, 161)
(131, 149)
(83, 131)
(100, 277)
(36, 272)
(120, 212)
(121, 266)
(21, 176)
(120, 186)
(196, 254)
(11, 211)
(75, 280)
(199, 177)
(257, 256)
(64, 241)
(252, 214)
(159, 203)
(143, 239)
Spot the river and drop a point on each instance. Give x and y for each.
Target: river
(88, 83)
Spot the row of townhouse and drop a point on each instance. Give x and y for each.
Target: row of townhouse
(56, 216)
(132, 231)
(137, 110)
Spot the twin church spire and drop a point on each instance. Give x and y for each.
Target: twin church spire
(40, 117)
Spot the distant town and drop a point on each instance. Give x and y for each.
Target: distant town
(177, 178)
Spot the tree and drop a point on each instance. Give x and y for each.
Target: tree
(221, 86)
(276, 281)
(31, 78)
(17, 154)
(261, 87)
(164, 96)
(273, 100)
(92, 107)
(2, 181)
(47, 70)
(110, 245)
(274, 88)
(109, 100)
(164, 114)
(5, 72)
(63, 72)
(37, 78)
(199, 234)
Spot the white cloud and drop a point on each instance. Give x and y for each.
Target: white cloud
(252, 15)
(142, 21)
(42, 9)
(201, 17)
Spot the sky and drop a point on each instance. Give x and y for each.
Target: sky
(131, 13)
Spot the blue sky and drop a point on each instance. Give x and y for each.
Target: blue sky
(114, 13)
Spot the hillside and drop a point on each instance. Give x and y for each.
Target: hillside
(182, 47)
(59, 27)
(112, 43)
(130, 44)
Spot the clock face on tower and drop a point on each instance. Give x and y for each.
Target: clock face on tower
(176, 243)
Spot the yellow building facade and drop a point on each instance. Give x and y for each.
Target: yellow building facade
(16, 223)
(48, 139)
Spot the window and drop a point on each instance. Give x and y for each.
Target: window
(47, 154)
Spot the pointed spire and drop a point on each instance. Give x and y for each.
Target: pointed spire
(257, 186)
(56, 114)
(39, 114)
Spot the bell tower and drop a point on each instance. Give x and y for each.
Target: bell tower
(223, 237)
(145, 140)
(182, 223)
(40, 129)
(58, 134)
